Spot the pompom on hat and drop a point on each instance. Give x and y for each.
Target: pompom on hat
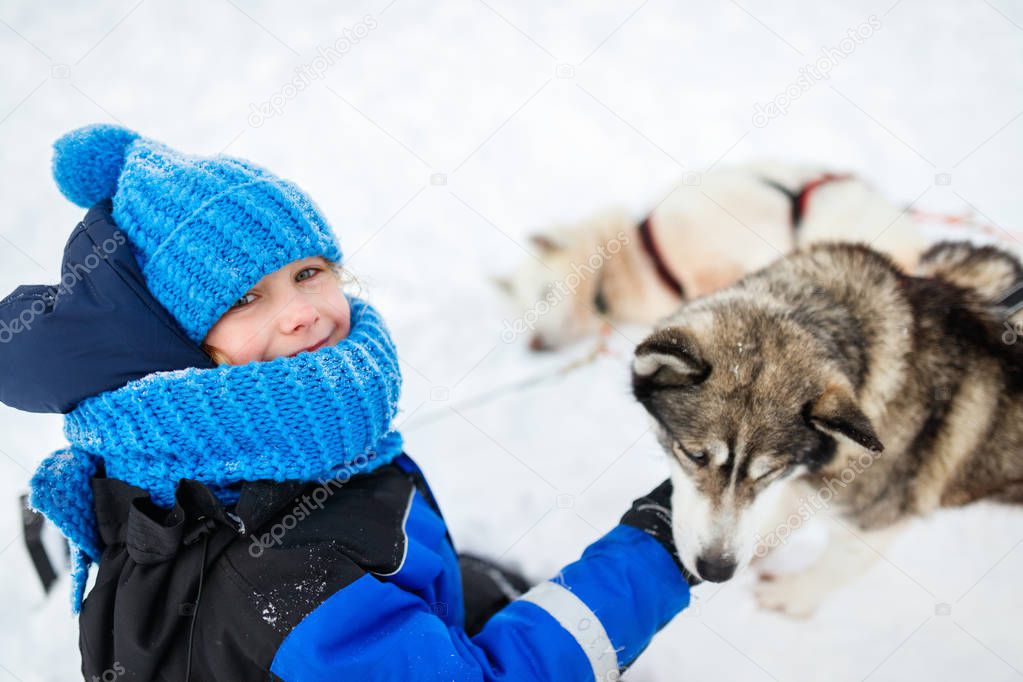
(203, 229)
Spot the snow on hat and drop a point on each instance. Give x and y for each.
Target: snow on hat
(203, 229)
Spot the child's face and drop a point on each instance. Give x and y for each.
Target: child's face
(299, 307)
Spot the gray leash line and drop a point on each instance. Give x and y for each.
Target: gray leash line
(510, 388)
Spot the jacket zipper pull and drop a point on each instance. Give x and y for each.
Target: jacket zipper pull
(204, 527)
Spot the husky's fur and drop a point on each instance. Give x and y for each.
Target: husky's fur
(829, 364)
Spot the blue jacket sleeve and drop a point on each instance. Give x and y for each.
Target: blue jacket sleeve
(587, 623)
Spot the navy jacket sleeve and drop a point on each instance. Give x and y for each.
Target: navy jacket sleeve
(587, 623)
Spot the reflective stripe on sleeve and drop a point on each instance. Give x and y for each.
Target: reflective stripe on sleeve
(580, 622)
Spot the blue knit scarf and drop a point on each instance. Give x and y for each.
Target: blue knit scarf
(310, 417)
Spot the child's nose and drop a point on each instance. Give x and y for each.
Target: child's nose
(298, 314)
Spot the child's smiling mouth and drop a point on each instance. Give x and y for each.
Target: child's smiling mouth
(312, 348)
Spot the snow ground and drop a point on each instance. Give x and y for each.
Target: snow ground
(472, 91)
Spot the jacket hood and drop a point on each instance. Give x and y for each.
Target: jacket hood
(96, 330)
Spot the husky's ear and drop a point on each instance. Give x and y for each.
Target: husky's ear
(835, 413)
(668, 358)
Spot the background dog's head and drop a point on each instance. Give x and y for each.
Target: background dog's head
(555, 291)
(742, 398)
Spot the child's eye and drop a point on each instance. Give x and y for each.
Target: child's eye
(243, 301)
(299, 276)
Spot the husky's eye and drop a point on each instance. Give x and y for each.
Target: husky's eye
(698, 457)
(770, 474)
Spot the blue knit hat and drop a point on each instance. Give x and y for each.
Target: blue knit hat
(203, 229)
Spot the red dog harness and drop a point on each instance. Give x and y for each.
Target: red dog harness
(646, 236)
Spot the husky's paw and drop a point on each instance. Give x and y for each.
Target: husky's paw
(793, 594)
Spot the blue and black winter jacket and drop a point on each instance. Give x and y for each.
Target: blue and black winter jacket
(303, 581)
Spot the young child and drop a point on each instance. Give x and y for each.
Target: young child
(232, 466)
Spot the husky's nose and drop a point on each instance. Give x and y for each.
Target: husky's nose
(538, 344)
(715, 569)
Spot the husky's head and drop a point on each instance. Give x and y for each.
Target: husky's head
(742, 400)
(561, 291)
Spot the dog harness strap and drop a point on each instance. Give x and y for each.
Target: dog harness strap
(580, 622)
(793, 198)
(799, 199)
(646, 235)
(799, 205)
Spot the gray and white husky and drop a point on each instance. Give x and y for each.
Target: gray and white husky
(834, 365)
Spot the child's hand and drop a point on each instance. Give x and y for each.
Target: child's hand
(652, 514)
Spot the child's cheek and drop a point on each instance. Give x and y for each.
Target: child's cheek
(248, 343)
(347, 317)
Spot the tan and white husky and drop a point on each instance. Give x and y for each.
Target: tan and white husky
(707, 233)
